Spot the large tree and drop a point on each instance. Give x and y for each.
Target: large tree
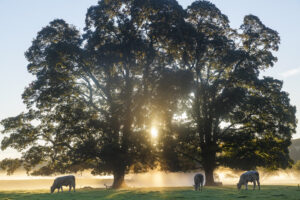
(235, 117)
(89, 107)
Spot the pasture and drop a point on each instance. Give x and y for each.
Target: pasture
(218, 193)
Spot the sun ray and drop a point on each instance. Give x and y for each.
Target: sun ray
(154, 132)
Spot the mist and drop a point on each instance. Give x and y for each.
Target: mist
(225, 175)
(20, 181)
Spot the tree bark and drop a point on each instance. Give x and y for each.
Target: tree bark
(119, 179)
(209, 163)
(209, 177)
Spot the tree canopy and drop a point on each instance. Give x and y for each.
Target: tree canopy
(142, 63)
(235, 117)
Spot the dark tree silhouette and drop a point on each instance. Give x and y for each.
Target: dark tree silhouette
(89, 107)
(235, 118)
(96, 94)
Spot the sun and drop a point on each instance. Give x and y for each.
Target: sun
(154, 132)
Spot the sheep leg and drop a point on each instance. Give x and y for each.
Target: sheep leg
(246, 185)
(254, 184)
(258, 183)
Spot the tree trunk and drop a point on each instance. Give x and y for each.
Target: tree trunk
(209, 163)
(209, 177)
(119, 181)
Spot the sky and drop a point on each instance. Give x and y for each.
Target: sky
(20, 21)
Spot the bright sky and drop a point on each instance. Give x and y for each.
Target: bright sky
(21, 20)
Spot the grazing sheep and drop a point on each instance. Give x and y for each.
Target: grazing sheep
(198, 180)
(63, 181)
(250, 176)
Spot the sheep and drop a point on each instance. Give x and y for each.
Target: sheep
(198, 180)
(249, 176)
(63, 181)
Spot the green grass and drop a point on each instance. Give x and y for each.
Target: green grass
(222, 193)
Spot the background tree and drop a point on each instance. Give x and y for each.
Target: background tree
(235, 118)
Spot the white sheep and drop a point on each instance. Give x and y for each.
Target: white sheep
(249, 176)
(63, 181)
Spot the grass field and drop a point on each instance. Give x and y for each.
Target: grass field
(222, 193)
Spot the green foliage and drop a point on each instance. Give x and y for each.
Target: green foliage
(96, 95)
(10, 165)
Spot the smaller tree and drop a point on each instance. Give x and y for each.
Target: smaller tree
(235, 118)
